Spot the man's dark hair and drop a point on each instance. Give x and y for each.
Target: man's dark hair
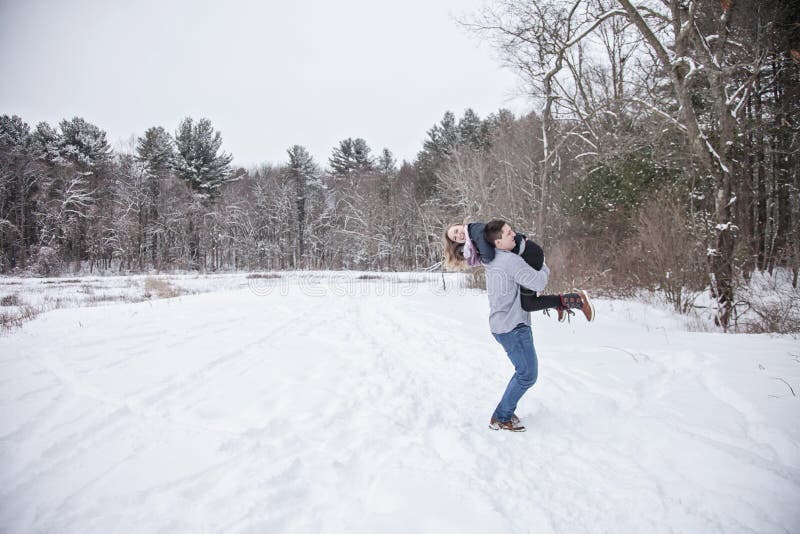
(493, 230)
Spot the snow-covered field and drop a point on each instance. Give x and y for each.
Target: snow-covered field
(338, 403)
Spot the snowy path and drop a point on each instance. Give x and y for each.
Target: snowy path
(365, 409)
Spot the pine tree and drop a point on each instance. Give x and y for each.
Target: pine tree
(19, 177)
(361, 155)
(304, 175)
(387, 170)
(198, 160)
(341, 160)
(443, 137)
(350, 156)
(84, 144)
(155, 152)
(472, 131)
(78, 200)
(47, 143)
(442, 140)
(14, 133)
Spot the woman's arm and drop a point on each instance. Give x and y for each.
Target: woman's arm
(475, 233)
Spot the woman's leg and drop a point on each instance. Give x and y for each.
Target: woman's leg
(533, 256)
(562, 303)
(541, 302)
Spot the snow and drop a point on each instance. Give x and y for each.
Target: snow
(351, 403)
(721, 227)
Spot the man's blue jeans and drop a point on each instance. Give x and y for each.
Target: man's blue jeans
(520, 350)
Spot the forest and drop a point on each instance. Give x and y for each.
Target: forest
(661, 153)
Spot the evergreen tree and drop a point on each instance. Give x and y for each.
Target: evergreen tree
(618, 185)
(472, 131)
(387, 170)
(84, 144)
(85, 148)
(155, 150)
(19, 175)
(47, 142)
(351, 155)
(342, 159)
(502, 119)
(304, 175)
(443, 137)
(442, 140)
(198, 160)
(361, 153)
(14, 133)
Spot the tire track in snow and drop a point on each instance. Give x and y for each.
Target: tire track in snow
(63, 451)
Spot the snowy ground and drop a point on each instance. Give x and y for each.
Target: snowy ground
(330, 404)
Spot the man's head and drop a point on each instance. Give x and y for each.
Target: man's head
(500, 234)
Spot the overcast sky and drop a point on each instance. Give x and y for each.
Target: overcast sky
(268, 74)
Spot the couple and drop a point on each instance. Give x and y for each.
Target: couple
(515, 271)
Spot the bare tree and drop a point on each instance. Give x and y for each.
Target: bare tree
(535, 38)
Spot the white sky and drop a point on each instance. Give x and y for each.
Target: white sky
(268, 74)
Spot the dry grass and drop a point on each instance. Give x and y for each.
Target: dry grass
(11, 300)
(88, 293)
(263, 275)
(22, 314)
(86, 289)
(160, 289)
(103, 299)
(476, 279)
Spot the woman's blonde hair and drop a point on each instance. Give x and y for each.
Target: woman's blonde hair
(453, 252)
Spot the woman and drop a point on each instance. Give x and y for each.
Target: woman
(465, 245)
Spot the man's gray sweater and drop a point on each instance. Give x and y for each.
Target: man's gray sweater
(504, 276)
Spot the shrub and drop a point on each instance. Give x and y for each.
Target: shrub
(768, 304)
(667, 253)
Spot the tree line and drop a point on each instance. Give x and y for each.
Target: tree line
(68, 203)
(662, 153)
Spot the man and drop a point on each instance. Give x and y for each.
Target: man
(509, 323)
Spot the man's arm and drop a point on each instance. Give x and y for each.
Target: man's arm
(527, 276)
